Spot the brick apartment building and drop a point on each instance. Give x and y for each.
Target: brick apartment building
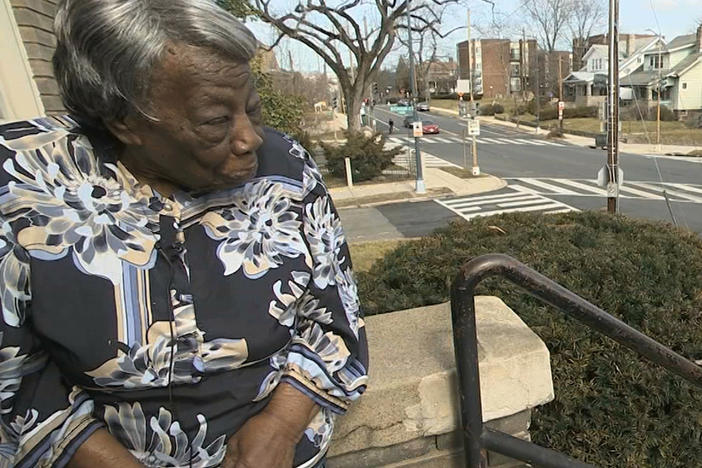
(498, 67)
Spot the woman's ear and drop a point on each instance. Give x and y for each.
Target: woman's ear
(126, 130)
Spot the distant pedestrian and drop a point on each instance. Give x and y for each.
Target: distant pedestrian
(391, 126)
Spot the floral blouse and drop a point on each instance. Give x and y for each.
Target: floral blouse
(167, 321)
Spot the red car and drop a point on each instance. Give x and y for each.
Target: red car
(429, 127)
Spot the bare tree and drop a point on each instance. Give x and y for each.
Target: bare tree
(550, 17)
(426, 36)
(586, 16)
(330, 31)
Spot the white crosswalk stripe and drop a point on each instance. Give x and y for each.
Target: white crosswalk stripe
(507, 202)
(589, 188)
(429, 161)
(528, 142)
(446, 139)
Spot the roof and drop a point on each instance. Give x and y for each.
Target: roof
(685, 63)
(641, 78)
(681, 41)
(580, 76)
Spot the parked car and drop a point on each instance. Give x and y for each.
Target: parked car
(429, 127)
(423, 107)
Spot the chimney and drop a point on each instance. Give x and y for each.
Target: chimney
(630, 44)
(699, 38)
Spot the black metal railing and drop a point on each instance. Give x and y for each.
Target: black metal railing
(476, 437)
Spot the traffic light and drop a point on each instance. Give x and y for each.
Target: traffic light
(375, 88)
(335, 102)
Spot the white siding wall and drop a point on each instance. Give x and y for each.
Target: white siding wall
(691, 97)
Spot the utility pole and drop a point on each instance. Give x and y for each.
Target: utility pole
(560, 90)
(470, 63)
(613, 110)
(476, 168)
(537, 98)
(658, 113)
(419, 187)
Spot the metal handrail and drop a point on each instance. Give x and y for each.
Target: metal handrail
(476, 436)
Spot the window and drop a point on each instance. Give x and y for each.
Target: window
(684, 85)
(654, 62)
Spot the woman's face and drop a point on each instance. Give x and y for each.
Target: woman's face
(208, 124)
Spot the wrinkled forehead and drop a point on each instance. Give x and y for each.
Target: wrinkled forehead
(199, 65)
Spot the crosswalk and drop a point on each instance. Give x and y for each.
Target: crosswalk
(508, 201)
(481, 141)
(429, 161)
(678, 192)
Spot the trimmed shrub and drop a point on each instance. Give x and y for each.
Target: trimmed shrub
(611, 407)
(367, 153)
(491, 109)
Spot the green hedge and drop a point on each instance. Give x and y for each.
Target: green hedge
(611, 407)
(491, 109)
(367, 153)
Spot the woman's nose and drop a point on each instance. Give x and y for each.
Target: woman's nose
(246, 139)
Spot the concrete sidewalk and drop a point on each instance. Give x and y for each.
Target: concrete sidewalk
(437, 181)
(633, 148)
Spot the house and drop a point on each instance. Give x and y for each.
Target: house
(588, 86)
(676, 70)
(27, 84)
(441, 75)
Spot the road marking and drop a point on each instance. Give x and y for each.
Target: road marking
(496, 201)
(686, 187)
(544, 185)
(443, 140)
(493, 140)
(645, 190)
(660, 189)
(551, 143)
(581, 186)
(528, 142)
(486, 197)
(531, 201)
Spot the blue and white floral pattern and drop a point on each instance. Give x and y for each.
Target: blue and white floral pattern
(258, 232)
(179, 316)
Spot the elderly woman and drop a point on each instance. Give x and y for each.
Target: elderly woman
(176, 288)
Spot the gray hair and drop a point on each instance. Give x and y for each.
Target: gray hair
(107, 49)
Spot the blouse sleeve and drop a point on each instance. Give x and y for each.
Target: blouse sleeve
(44, 420)
(328, 358)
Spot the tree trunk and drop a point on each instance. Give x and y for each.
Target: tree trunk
(354, 98)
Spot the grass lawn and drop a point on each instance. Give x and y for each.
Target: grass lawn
(672, 133)
(364, 254)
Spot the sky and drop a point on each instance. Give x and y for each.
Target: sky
(671, 17)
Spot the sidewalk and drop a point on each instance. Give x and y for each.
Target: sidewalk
(437, 182)
(643, 149)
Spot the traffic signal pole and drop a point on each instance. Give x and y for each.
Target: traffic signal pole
(419, 187)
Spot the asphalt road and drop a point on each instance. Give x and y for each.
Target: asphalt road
(518, 154)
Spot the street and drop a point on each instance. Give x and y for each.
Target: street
(550, 176)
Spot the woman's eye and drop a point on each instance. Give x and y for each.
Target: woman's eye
(217, 121)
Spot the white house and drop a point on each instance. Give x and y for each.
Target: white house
(677, 70)
(588, 86)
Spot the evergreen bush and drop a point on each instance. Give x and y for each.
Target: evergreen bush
(367, 153)
(611, 407)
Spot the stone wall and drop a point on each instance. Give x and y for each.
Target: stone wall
(35, 20)
(409, 416)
